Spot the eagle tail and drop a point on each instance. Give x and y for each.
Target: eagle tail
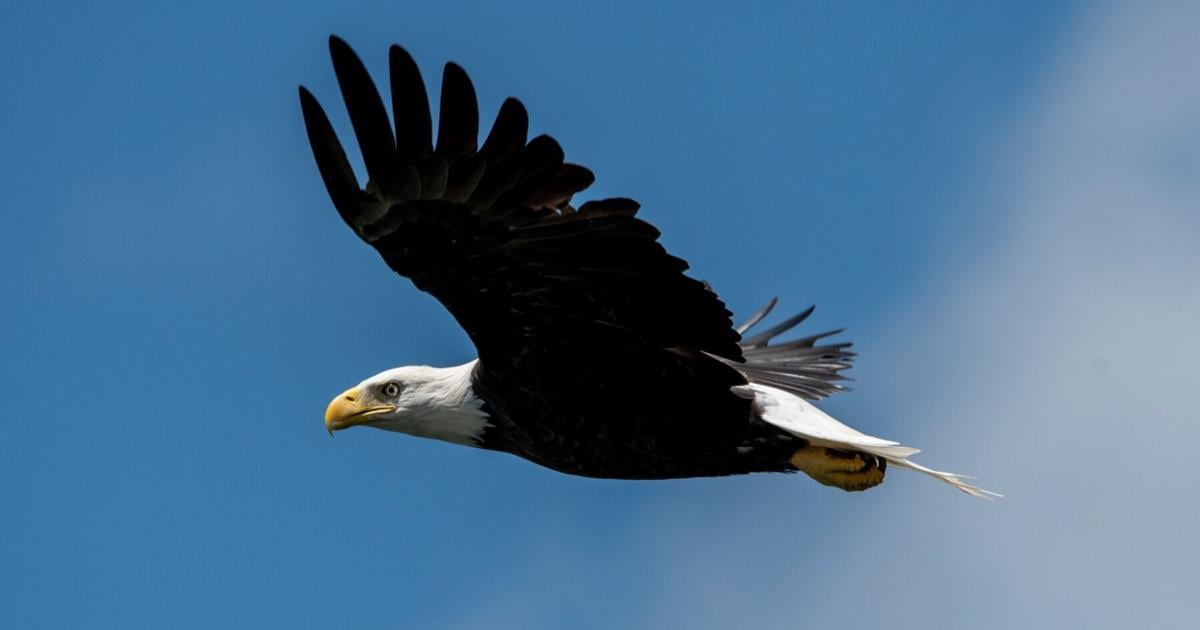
(830, 458)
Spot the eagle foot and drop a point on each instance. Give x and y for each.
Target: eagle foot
(851, 471)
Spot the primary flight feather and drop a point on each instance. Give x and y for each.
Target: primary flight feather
(597, 355)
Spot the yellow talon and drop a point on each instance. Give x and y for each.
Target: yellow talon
(848, 470)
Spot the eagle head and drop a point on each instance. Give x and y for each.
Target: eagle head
(437, 403)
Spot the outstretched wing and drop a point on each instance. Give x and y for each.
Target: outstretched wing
(490, 231)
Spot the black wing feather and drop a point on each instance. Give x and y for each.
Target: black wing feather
(410, 106)
(355, 207)
(458, 124)
(508, 132)
(368, 116)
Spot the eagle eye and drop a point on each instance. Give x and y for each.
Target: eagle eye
(391, 389)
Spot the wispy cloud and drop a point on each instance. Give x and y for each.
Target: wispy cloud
(1056, 358)
(1063, 353)
(1074, 339)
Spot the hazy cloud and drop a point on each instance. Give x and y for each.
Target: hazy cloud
(1056, 358)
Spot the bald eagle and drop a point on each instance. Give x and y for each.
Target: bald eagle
(597, 355)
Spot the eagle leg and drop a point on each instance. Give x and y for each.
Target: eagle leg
(849, 470)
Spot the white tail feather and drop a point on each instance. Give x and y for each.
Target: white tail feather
(800, 417)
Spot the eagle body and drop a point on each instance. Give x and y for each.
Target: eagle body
(597, 355)
(670, 427)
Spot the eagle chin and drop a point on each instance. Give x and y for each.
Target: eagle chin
(597, 355)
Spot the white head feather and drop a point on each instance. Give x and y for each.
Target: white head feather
(430, 402)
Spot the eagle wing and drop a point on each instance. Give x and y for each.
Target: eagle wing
(491, 233)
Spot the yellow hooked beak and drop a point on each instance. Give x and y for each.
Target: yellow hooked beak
(349, 409)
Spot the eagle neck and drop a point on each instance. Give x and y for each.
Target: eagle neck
(453, 412)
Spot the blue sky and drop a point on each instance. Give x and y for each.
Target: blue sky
(998, 201)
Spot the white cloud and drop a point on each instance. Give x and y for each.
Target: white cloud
(1058, 361)
(1076, 339)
